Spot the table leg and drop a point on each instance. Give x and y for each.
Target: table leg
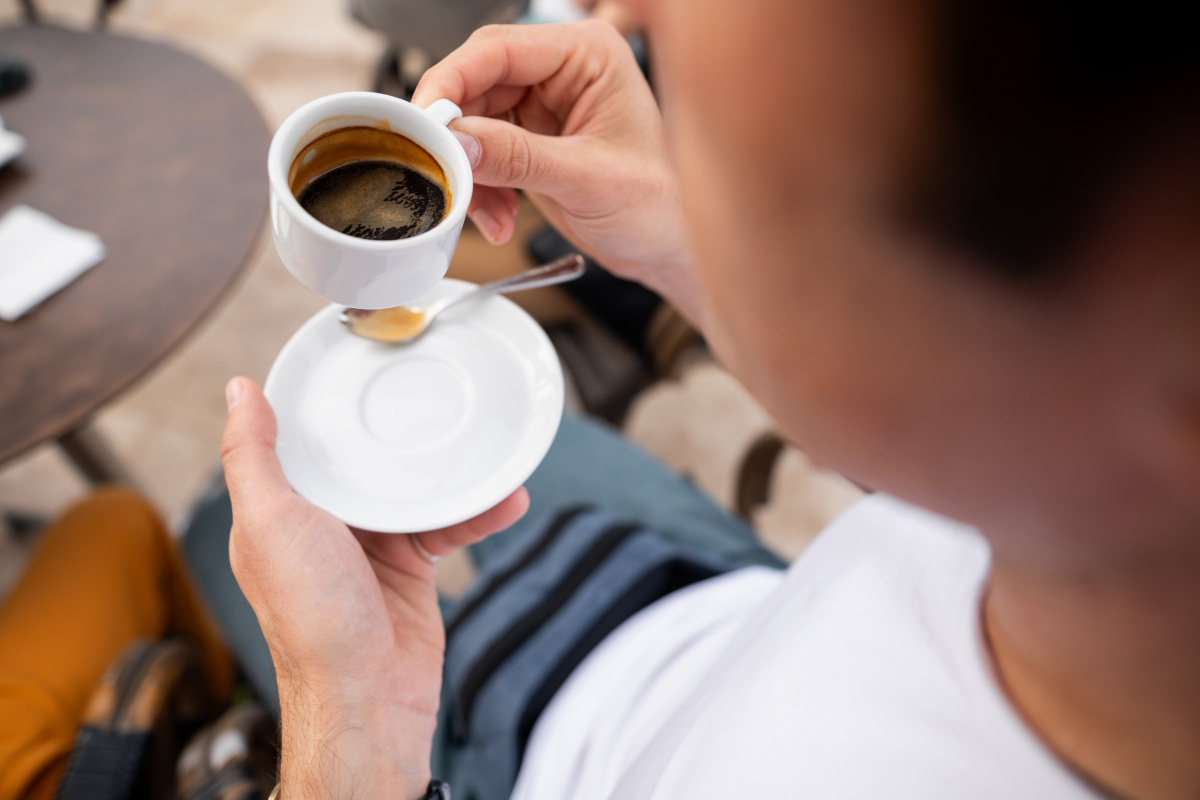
(92, 456)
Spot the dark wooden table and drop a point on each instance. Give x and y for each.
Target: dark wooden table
(165, 158)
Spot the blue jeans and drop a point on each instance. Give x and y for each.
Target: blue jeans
(591, 464)
(588, 464)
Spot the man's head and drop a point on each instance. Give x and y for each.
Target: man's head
(995, 315)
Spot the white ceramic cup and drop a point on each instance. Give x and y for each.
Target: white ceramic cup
(344, 269)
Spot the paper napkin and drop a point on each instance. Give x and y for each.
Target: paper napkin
(38, 256)
(11, 144)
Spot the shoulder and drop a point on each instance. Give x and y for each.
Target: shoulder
(862, 676)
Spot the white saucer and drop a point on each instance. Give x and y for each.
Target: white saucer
(417, 437)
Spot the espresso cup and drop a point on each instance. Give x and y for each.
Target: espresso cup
(366, 273)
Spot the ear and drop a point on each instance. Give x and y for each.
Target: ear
(1179, 360)
(1174, 448)
(1189, 457)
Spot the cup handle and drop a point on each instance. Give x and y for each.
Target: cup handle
(443, 111)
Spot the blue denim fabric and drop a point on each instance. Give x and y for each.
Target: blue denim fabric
(591, 464)
(206, 548)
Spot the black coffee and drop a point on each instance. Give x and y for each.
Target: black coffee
(375, 199)
(370, 182)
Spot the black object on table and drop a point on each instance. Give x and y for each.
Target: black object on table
(14, 75)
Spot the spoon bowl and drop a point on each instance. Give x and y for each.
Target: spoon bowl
(405, 324)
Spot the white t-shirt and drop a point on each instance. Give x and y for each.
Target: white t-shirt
(859, 673)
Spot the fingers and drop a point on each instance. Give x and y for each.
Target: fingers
(493, 209)
(513, 157)
(252, 469)
(514, 55)
(532, 114)
(447, 540)
(398, 553)
(494, 212)
(496, 102)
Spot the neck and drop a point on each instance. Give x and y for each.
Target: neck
(1105, 666)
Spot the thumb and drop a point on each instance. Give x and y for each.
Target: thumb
(508, 155)
(252, 470)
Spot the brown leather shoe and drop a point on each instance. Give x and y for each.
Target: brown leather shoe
(147, 703)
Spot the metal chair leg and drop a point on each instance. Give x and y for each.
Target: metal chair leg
(92, 456)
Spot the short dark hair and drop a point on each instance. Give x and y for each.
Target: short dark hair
(1042, 106)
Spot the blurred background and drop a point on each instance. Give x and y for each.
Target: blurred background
(633, 362)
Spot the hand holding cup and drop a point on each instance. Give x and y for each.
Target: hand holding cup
(564, 113)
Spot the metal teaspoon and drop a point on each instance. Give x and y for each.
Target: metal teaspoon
(404, 324)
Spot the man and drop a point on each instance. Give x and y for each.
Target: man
(955, 254)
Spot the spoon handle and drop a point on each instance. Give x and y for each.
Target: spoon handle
(564, 269)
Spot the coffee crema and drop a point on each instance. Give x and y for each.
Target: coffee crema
(371, 183)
